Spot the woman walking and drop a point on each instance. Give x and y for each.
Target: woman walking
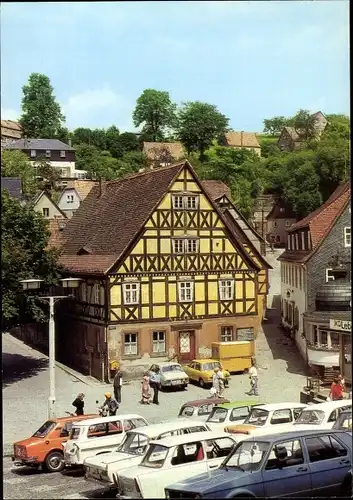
(254, 391)
(79, 403)
(146, 390)
(336, 392)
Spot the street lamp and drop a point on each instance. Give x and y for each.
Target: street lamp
(34, 284)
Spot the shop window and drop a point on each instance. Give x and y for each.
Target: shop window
(323, 338)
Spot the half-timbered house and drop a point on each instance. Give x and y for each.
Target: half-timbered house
(165, 273)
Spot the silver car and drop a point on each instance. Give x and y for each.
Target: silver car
(172, 375)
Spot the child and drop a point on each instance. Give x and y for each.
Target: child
(146, 390)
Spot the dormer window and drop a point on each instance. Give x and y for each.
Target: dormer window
(185, 202)
(62, 154)
(33, 153)
(48, 153)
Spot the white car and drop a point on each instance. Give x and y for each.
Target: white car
(319, 416)
(130, 452)
(171, 374)
(232, 413)
(267, 419)
(98, 435)
(176, 457)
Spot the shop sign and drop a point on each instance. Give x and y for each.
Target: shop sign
(341, 325)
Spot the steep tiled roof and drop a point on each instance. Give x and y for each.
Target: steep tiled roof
(216, 189)
(293, 133)
(44, 144)
(82, 187)
(242, 139)
(56, 227)
(11, 129)
(321, 221)
(277, 212)
(154, 149)
(87, 264)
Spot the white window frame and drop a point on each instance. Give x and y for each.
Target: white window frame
(131, 293)
(178, 202)
(47, 210)
(191, 241)
(130, 346)
(186, 291)
(97, 293)
(347, 237)
(62, 154)
(48, 153)
(227, 333)
(303, 240)
(159, 343)
(33, 153)
(226, 289)
(185, 201)
(329, 277)
(69, 198)
(178, 245)
(191, 206)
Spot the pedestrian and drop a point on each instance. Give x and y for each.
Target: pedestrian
(225, 379)
(146, 390)
(254, 391)
(110, 403)
(336, 392)
(216, 382)
(117, 383)
(342, 382)
(155, 383)
(79, 403)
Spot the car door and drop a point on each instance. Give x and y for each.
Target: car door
(187, 460)
(217, 450)
(288, 478)
(190, 370)
(329, 462)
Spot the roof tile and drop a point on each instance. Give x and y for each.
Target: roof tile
(39, 144)
(216, 189)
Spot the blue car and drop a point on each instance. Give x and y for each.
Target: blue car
(297, 464)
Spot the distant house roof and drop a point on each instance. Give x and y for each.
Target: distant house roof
(153, 149)
(293, 134)
(82, 187)
(11, 129)
(281, 210)
(216, 189)
(40, 194)
(242, 139)
(109, 220)
(320, 222)
(13, 186)
(40, 144)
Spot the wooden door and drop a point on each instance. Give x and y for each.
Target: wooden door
(186, 346)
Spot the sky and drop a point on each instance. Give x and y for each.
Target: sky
(252, 59)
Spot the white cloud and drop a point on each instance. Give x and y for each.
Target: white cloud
(9, 114)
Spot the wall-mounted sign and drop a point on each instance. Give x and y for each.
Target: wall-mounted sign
(245, 334)
(341, 325)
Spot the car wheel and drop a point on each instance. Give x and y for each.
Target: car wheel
(54, 462)
(201, 382)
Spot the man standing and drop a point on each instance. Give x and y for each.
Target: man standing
(111, 404)
(253, 379)
(117, 383)
(155, 382)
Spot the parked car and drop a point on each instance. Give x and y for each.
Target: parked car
(319, 416)
(293, 464)
(172, 375)
(201, 371)
(201, 408)
(344, 421)
(229, 413)
(98, 435)
(45, 447)
(174, 457)
(130, 452)
(266, 419)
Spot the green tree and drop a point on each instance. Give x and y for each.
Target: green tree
(98, 164)
(24, 255)
(82, 135)
(15, 163)
(155, 112)
(63, 135)
(112, 141)
(305, 123)
(274, 126)
(50, 175)
(199, 124)
(128, 142)
(41, 114)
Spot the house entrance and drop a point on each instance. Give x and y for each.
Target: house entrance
(186, 346)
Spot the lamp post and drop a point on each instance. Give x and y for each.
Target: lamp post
(34, 284)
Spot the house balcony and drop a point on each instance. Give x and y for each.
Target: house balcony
(322, 354)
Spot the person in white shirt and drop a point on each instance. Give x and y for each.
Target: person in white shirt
(254, 391)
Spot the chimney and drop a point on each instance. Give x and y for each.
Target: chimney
(101, 187)
(242, 138)
(70, 142)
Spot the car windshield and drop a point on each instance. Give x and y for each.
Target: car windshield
(209, 366)
(75, 432)
(257, 416)
(218, 415)
(247, 456)
(171, 368)
(313, 417)
(134, 443)
(44, 429)
(155, 456)
(187, 411)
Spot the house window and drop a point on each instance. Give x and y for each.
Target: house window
(131, 292)
(186, 289)
(181, 202)
(158, 342)
(347, 237)
(178, 202)
(191, 245)
(303, 240)
(62, 154)
(48, 153)
(97, 292)
(226, 289)
(33, 153)
(226, 334)
(323, 338)
(178, 245)
(329, 275)
(46, 212)
(130, 344)
(69, 198)
(287, 223)
(281, 209)
(191, 202)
